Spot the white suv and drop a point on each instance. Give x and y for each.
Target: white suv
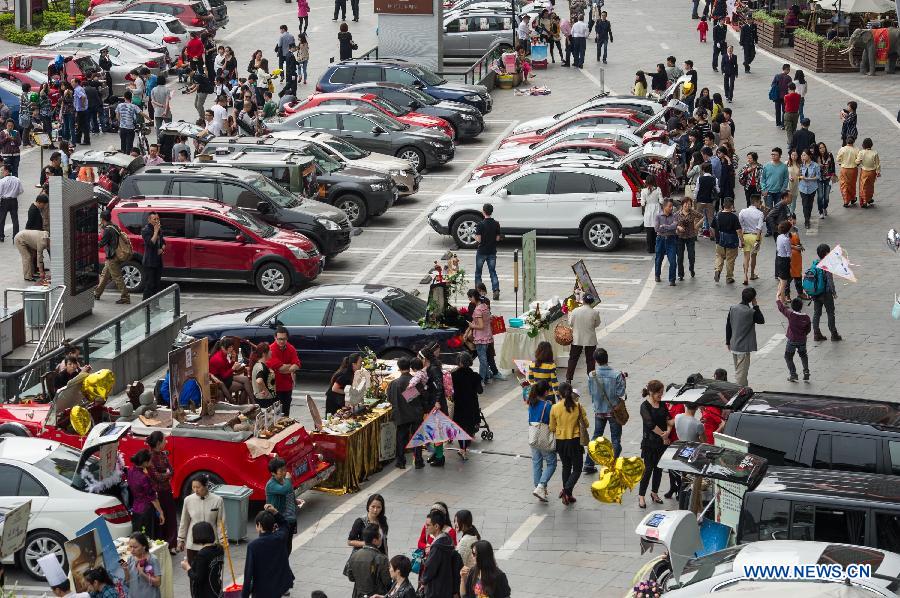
(647, 106)
(162, 29)
(595, 200)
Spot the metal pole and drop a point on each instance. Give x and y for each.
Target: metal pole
(516, 280)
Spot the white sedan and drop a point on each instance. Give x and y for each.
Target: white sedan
(621, 133)
(44, 472)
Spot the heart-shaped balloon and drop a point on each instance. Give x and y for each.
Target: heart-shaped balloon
(81, 420)
(98, 385)
(601, 451)
(893, 240)
(631, 469)
(610, 487)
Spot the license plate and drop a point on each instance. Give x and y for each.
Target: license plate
(301, 469)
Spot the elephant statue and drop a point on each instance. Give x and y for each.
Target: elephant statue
(862, 38)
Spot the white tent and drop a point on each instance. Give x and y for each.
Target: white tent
(858, 6)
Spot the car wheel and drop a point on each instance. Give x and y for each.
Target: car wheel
(133, 276)
(273, 279)
(13, 430)
(397, 354)
(415, 157)
(214, 480)
(37, 544)
(464, 229)
(354, 207)
(601, 234)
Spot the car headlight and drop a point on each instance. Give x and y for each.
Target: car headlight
(441, 208)
(473, 98)
(378, 186)
(437, 144)
(395, 172)
(299, 253)
(467, 116)
(328, 224)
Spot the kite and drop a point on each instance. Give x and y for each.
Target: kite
(437, 428)
(893, 240)
(837, 263)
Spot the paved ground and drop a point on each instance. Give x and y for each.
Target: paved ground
(588, 549)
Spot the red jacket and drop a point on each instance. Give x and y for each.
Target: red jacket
(792, 102)
(194, 48)
(219, 365)
(278, 358)
(426, 540)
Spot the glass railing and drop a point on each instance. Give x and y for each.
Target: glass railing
(106, 341)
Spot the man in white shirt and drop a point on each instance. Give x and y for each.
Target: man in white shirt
(211, 125)
(752, 221)
(524, 32)
(579, 40)
(10, 190)
(220, 112)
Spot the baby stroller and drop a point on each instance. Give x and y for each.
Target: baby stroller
(110, 124)
(485, 428)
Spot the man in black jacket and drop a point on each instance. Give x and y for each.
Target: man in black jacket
(112, 268)
(748, 41)
(368, 567)
(154, 246)
(720, 45)
(729, 73)
(440, 574)
(290, 72)
(267, 571)
(604, 36)
(95, 102)
(803, 138)
(779, 214)
(407, 414)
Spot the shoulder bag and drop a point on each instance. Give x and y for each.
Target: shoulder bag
(539, 434)
(584, 435)
(619, 413)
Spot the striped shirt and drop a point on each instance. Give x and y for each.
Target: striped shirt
(126, 112)
(543, 371)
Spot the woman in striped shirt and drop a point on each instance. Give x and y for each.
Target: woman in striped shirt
(544, 367)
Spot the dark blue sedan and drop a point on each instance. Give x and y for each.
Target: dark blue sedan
(328, 322)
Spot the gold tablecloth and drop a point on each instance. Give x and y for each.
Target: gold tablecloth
(360, 452)
(518, 345)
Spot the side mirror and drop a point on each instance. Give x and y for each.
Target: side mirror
(502, 192)
(240, 239)
(263, 207)
(376, 130)
(273, 323)
(418, 84)
(415, 105)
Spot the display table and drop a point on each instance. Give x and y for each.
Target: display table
(518, 345)
(161, 551)
(355, 455)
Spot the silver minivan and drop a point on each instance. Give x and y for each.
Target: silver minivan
(472, 32)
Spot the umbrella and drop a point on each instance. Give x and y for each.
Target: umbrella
(857, 6)
(437, 428)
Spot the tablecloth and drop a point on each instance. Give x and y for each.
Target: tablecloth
(355, 455)
(518, 345)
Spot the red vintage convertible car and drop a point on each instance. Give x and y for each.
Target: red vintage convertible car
(208, 445)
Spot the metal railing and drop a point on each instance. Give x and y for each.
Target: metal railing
(40, 311)
(102, 342)
(481, 68)
(53, 334)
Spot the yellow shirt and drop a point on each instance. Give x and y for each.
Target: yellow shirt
(640, 89)
(564, 424)
(846, 157)
(869, 160)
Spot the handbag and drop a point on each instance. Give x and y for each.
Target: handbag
(620, 413)
(563, 335)
(584, 436)
(773, 92)
(539, 434)
(353, 46)
(417, 556)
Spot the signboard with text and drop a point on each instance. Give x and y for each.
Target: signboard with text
(15, 528)
(404, 7)
(529, 268)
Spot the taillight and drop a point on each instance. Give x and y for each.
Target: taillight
(196, 22)
(129, 77)
(171, 39)
(116, 514)
(635, 194)
(319, 88)
(152, 64)
(455, 342)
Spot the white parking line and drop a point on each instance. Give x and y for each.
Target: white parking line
(766, 115)
(664, 45)
(650, 28)
(386, 272)
(519, 536)
(771, 345)
(508, 256)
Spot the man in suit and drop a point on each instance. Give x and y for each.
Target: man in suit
(729, 73)
(720, 43)
(584, 321)
(407, 414)
(267, 572)
(748, 41)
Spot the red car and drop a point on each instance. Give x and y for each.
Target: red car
(190, 13)
(225, 455)
(629, 118)
(596, 147)
(370, 100)
(206, 239)
(31, 66)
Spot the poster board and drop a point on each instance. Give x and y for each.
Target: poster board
(190, 361)
(584, 281)
(529, 268)
(83, 553)
(108, 455)
(729, 496)
(387, 441)
(107, 545)
(314, 413)
(15, 528)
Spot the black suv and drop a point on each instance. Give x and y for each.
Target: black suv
(326, 226)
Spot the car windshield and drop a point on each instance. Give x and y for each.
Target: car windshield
(250, 223)
(389, 107)
(62, 464)
(420, 96)
(274, 192)
(387, 123)
(408, 306)
(346, 149)
(324, 160)
(427, 76)
(705, 567)
(176, 27)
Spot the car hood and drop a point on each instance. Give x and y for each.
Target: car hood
(359, 172)
(464, 87)
(382, 163)
(220, 320)
(522, 139)
(430, 134)
(507, 154)
(533, 125)
(291, 239)
(56, 36)
(417, 119)
(457, 107)
(318, 209)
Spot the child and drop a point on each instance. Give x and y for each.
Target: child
(796, 258)
(799, 327)
(270, 108)
(182, 156)
(524, 63)
(702, 27)
(419, 375)
(783, 256)
(280, 494)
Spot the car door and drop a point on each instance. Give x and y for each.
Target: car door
(216, 251)
(325, 122)
(177, 257)
(305, 322)
(353, 325)
(520, 203)
(571, 197)
(360, 131)
(366, 72)
(17, 486)
(456, 37)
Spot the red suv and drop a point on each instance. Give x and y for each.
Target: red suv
(79, 64)
(209, 240)
(191, 14)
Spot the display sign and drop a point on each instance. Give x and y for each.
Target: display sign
(190, 361)
(387, 441)
(84, 263)
(83, 553)
(110, 554)
(585, 283)
(529, 268)
(108, 455)
(404, 7)
(15, 528)
(729, 495)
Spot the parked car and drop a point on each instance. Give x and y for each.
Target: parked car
(598, 202)
(467, 122)
(372, 102)
(473, 31)
(158, 28)
(124, 57)
(401, 171)
(10, 93)
(34, 78)
(210, 240)
(357, 193)
(350, 72)
(127, 43)
(330, 321)
(192, 13)
(604, 101)
(48, 473)
(591, 147)
(582, 119)
(76, 65)
(618, 133)
(374, 131)
(216, 8)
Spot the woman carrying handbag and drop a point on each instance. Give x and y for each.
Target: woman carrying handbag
(540, 438)
(568, 423)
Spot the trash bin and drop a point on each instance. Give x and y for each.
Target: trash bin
(237, 509)
(36, 300)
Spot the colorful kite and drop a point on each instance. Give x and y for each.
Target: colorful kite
(838, 264)
(437, 428)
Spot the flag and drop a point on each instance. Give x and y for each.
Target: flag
(838, 264)
(437, 428)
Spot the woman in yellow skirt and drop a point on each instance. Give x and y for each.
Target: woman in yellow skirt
(870, 168)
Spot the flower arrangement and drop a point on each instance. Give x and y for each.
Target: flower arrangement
(647, 589)
(534, 323)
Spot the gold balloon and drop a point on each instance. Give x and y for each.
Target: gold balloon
(601, 451)
(631, 469)
(609, 488)
(81, 420)
(98, 385)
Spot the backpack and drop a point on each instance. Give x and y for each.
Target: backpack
(814, 282)
(124, 250)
